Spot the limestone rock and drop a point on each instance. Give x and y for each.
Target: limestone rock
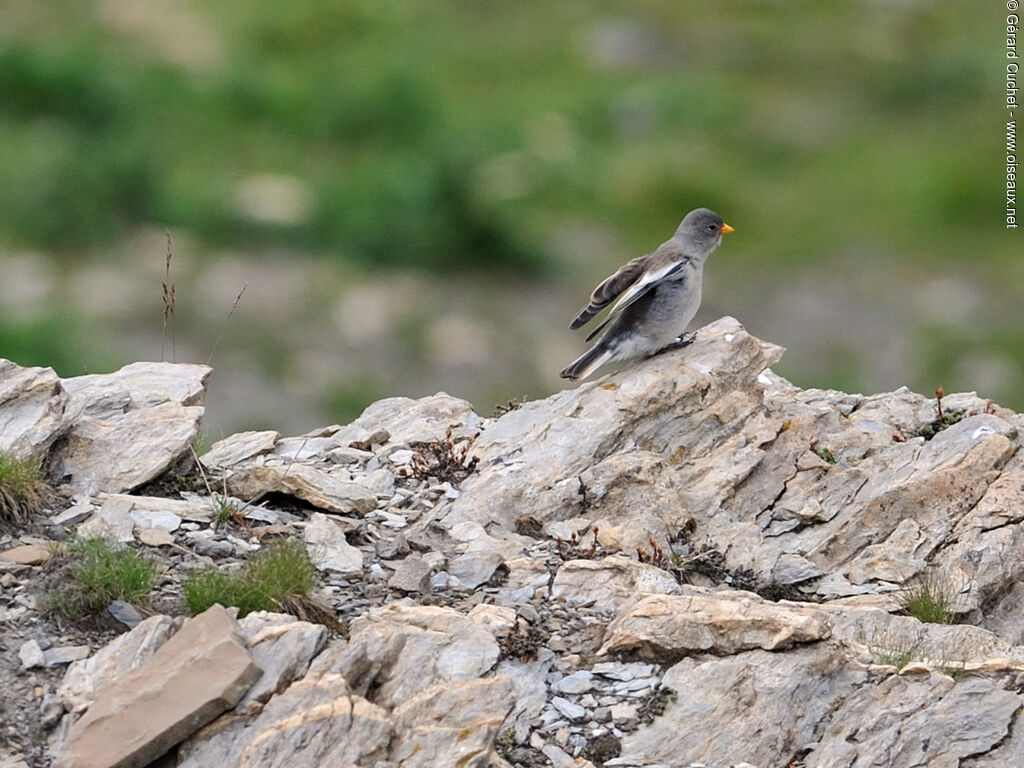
(451, 724)
(667, 627)
(765, 706)
(84, 679)
(316, 722)
(412, 421)
(282, 648)
(237, 448)
(412, 575)
(32, 404)
(611, 583)
(197, 674)
(129, 426)
(27, 554)
(399, 651)
(321, 489)
(328, 548)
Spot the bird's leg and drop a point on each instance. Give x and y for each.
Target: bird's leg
(683, 340)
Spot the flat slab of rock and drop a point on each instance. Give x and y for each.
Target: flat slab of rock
(321, 489)
(26, 554)
(200, 672)
(237, 448)
(668, 627)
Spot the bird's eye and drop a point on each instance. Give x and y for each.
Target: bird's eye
(712, 227)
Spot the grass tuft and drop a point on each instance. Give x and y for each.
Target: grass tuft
(22, 490)
(930, 600)
(270, 581)
(88, 574)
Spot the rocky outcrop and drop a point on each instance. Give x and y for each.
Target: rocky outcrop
(689, 561)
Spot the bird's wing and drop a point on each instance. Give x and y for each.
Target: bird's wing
(633, 281)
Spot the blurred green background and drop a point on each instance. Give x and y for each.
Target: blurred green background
(419, 195)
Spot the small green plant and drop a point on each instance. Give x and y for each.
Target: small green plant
(823, 453)
(505, 743)
(86, 575)
(511, 405)
(930, 599)
(896, 657)
(272, 578)
(943, 418)
(522, 642)
(22, 490)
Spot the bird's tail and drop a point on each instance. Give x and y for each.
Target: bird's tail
(587, 363)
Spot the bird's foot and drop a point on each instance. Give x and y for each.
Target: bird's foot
(684, 340)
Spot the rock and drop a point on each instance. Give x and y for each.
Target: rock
(129, 426)
(316, 722)
(237, 448)
(328, 548)
(764, 706)
(668, 627)
(578, 682)
(319, 488)
(954, 720)
(400, 650)
(572, 711)
(27, 554)
(73, 515)
(155, 537)
(282, 648)
(32, 405)
(54, 657)
(411, 421)
(412, 575)
(611, 583)
(640, 406)
(209, 543)
(702, 462)
(31, 655)
(156, 508)
(200, 672)
(126, 613)
(451, 724)
(476, 568)
(84, 679)
(149, 519)
(112, 521)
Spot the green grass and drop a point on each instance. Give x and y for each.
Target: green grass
(279, 572)
(84, 577)
(22, 490)
(930, 600)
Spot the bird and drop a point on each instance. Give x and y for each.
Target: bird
(658, 295)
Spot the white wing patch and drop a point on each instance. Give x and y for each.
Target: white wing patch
(641, 286)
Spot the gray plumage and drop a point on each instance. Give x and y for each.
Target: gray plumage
(658, 295)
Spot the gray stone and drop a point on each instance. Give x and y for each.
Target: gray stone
(31, 655)
(328, 548)
(129, 426)
(475, 568)
(197, 674)
(572, 711)
(32, 410)
(238, 447)
(321, 489)
(54, 657)
(412, 575)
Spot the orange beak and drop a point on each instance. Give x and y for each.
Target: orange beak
(726, 229)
